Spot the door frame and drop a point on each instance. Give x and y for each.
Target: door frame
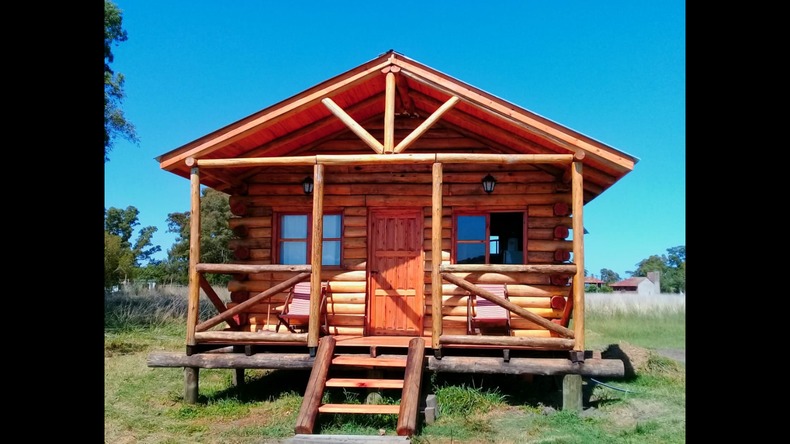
(419, 285)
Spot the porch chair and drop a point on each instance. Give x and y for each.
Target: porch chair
(295, 314)
(482, 313)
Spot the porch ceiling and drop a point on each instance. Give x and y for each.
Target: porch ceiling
(478, 123)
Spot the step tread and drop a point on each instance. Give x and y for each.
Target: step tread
(365, 382)
(360, 408)
(367, 361)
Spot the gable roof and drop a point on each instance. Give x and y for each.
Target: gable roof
(304, 124)
(630, 282)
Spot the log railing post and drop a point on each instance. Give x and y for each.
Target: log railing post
(194, 255)
(436, 257)
(577, 194)
(314, 325)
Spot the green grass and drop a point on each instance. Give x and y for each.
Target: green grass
(146, 405)
(654, 322)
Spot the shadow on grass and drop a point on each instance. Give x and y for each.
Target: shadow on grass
(269, 386)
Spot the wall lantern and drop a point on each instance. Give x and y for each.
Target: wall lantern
(488, 183)
(307, 184)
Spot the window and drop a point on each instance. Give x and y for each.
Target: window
(489, 238)
(294, 242)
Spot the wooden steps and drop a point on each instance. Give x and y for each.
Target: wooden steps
(326, 360)
(365, 383)
(391, 409)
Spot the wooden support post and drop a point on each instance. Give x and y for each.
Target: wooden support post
(577, 194)
(238, 377)
(238, 373)
(389, 114)
(314, 325)
(572, 392)
(315, 387)
(412, 379)
(191, 383)
(194, 256)
(436, 258)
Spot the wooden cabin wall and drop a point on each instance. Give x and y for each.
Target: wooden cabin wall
(353, 189)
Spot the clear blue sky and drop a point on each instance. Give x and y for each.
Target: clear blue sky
(612, 70)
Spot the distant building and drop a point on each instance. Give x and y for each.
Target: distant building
(592, 280)
(639, 285)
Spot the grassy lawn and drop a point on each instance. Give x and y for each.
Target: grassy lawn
(145, 405)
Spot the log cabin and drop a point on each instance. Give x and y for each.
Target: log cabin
(399, 193)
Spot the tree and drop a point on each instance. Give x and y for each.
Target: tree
(121, 255)
(672, 268)
(609, 276)
(117, 260)
(214, 236)
(115, 123)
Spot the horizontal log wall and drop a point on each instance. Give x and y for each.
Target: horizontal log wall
(351, 190)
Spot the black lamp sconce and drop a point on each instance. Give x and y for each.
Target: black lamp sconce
(307, 185)
(488, 183)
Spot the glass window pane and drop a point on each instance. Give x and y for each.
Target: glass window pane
(293, 253)
(330, 253)
(471, 227)
(332, 225)
(294, 226)
(471, 254)
(493, 244)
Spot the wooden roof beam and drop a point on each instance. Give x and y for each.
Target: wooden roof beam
(426, 124)
(565, 137)
(271, 148)
(353, 125)
(407, 103)
(372, 159)
(270, 115)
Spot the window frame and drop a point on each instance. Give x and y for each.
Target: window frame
(487, 241)
(277, 237)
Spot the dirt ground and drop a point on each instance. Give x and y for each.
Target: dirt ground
(673, 353)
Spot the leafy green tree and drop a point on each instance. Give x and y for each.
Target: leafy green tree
(672, 268)
(115, 123)
(122, 257)
(609, 276)
(117, 260)
(214, 236)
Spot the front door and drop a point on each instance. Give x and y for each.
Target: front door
(395, 273)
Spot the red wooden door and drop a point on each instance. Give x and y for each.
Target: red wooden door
(396, 273)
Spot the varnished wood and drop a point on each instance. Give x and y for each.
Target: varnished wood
(389, 114)
(578, 254)
(382, 409)
(412, 379)
(193, 304)
(365, 383)
(430, 121)
(538, 343)
(215, 299)
(436, 253)
(545, 323)
(287, 108)
(308, 411)
(248, 268)
(316, 299)
(353, 125)
(254, 300)
(507, 268)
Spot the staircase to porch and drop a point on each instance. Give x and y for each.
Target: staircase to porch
(329, 372)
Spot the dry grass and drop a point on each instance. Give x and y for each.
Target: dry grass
(606, 303)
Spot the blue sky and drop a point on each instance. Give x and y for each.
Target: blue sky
(613, 70)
